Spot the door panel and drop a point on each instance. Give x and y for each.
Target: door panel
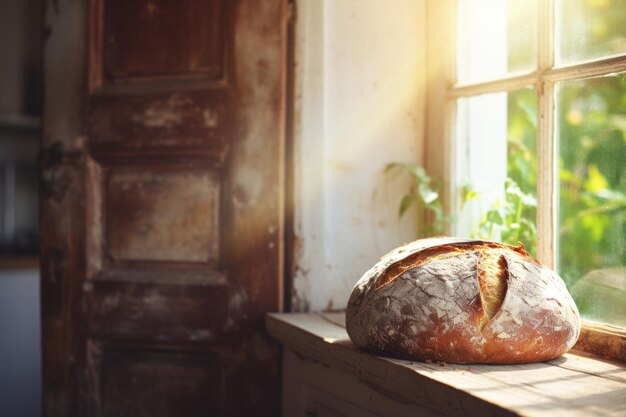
(183, 123)
(162, 206)
(187, 34)
(160, 383)
(156, 214)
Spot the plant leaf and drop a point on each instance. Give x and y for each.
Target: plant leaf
(427, 194)
(390, 166)
(494, 216)
(406, 202)
(417, 171)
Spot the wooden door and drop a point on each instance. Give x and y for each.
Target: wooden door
(162, 225)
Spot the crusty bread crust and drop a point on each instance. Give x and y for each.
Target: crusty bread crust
(464, 301)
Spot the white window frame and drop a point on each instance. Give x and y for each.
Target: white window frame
(442, 93)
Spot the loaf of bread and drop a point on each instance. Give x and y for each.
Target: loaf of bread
(462, 301)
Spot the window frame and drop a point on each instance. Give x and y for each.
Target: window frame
(443, 91)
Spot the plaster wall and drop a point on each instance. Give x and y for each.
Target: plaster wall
(360, 75)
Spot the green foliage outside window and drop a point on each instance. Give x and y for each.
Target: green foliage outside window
(592, 200)
(590, 127)
(591, 153)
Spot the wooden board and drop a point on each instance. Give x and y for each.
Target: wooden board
(311, 388)
(571, 385)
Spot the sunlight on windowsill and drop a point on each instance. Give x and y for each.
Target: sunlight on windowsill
(573, 384)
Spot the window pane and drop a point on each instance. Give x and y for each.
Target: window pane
(495, 38)
(590, 29)
(592, 198)
(497, 167)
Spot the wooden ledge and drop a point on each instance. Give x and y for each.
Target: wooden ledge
(572, 385)
(19, 262)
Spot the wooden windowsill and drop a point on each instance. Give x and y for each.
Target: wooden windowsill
(572, 385)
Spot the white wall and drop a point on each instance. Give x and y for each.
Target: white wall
(359, 104)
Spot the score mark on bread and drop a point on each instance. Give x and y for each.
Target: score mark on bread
(459, 300)
(492, 277)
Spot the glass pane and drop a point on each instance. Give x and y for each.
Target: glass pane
(495, 38)
(497, 167)
(590, 29)
(592, 199)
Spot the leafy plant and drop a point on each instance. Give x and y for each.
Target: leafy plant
(511, 219)
(425, 193)
(505, 220)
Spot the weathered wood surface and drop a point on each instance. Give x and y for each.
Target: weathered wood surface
(162, 206)
(311, 388)
(603, 340)
(571, 385)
